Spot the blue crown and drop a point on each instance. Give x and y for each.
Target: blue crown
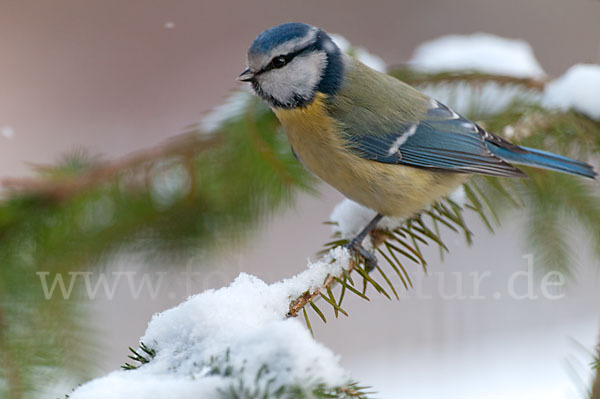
(280, 34)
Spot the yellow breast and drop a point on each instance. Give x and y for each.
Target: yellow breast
(306, 124)
(314, 137)
(393, 190)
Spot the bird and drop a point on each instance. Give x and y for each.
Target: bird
(377, 140)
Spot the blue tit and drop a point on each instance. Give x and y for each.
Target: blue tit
(377, 140)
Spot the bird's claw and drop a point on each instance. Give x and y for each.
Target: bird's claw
(370, 260)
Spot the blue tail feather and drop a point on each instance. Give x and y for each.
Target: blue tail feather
(543, 159)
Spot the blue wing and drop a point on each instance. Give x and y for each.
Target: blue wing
(442, 140)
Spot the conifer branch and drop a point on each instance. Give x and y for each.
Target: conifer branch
(473, 78)
(308, 297)
(595, 392)
(396, 246)
(63, 187)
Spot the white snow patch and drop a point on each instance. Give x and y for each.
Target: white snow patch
(243, 327)
(233, 107)
(7, 132)
(578, 89)
(360, 53)
(459, 196)
(482, 52)
(341, 42)
(136, 384)
(508, 131)
(312, 278)
(370, 60)
(170, 181)
(351, 217)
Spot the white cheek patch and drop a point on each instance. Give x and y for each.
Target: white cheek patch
(298, 79)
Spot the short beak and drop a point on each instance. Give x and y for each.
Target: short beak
(246, 76)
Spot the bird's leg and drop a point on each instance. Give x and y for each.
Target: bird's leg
(356, 244)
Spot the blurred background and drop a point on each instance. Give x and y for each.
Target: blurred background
(116, 76)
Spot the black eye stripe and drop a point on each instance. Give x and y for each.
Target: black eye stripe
(287, 57)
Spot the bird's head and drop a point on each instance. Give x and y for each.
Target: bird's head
(290, 63)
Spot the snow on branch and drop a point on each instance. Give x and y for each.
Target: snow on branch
(480, 52)
(234, 342)
(578, 89)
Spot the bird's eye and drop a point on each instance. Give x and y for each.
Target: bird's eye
(278, 62)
